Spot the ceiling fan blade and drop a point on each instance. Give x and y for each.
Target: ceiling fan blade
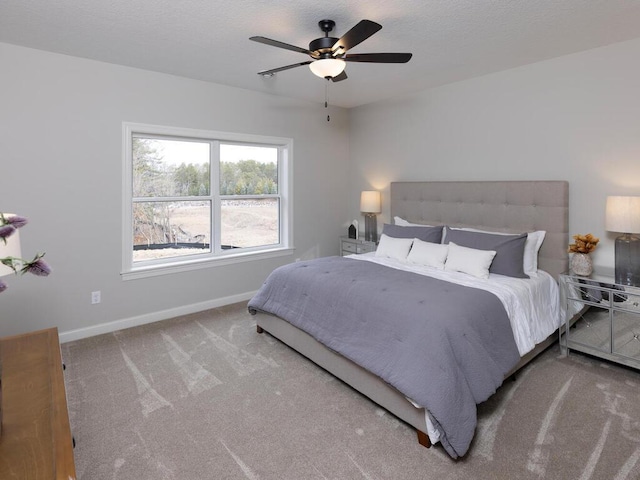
(339, 78)
(276, 43)
(266, 73)
(379, 57)
(359, 33)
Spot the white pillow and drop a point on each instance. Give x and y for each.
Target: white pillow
(428, 254)
(403, 223)
(391, 247)
(469, 260)
(531, 246)
(531, 249)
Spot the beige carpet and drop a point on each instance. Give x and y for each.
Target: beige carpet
(205, 397)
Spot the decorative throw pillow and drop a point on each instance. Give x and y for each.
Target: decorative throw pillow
(397, 248)
(426, 234)
(428, 254)
(531, 249)
(531, 246)
(509, 258)
(469, 260)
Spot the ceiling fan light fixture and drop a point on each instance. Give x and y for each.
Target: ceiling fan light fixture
(328, 67)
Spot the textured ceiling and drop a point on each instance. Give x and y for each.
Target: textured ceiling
(451, 40)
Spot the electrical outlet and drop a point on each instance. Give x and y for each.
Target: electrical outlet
(95, 297)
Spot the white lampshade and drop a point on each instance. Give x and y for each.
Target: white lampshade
(370, 201)
(327, 67)
(623, 214)
(11, 249)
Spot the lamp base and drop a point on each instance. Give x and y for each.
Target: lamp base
(370, 227)
(627, 258)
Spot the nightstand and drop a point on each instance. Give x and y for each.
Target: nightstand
(609, 326)
(349, 246)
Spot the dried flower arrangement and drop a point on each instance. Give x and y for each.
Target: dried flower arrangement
(8, 226)
(583, 243)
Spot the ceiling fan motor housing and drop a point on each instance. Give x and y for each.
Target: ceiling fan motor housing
(322, 45)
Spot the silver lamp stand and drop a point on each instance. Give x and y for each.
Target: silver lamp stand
(627, 258)
(370, 227)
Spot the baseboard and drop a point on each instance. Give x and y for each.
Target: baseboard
(109, 327)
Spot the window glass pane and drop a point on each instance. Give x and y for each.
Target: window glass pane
(193, 196)
(249, 222)
(170, 168)
(170, 229)
(248, 170)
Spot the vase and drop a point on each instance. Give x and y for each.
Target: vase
(582, 264)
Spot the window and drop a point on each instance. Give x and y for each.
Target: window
(196, 198)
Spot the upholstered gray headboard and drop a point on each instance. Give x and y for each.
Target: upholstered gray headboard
(513, 207)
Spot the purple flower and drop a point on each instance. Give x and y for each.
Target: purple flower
(37, 266)
(16, 220)
(6, 231)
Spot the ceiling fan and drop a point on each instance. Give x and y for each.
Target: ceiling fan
(329, 55)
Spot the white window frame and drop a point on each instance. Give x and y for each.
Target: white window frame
(217, 256)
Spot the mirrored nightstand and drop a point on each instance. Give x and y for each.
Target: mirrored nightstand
(609, 326)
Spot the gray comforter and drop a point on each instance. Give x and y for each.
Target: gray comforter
(446, 347)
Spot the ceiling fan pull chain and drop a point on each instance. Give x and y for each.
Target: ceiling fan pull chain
(326, 98)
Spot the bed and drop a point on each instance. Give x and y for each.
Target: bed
(502, 207)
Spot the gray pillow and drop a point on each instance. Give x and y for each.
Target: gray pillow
(509, 249)
(426, 234)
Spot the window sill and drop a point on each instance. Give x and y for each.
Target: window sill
(186, 266)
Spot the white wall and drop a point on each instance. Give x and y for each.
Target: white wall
(574, 118)
(61, 166)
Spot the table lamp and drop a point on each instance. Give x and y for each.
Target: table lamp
(370, 205)
(623, 215)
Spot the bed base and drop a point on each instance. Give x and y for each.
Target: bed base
(360, 379)
(344, 369)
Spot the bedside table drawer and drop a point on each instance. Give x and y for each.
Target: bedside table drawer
(351, 246)
(348, 248)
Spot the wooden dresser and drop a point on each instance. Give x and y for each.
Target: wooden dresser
(36, 440)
